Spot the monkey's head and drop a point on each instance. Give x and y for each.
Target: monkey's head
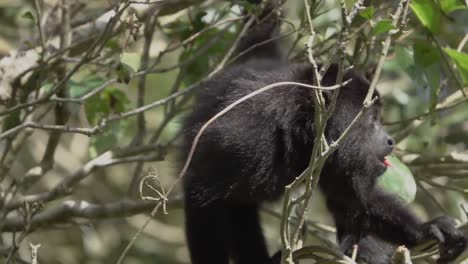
(362, 153)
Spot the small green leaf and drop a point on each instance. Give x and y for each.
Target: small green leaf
(448, 6)
(104, 141)
(195, 69)
(95, 109)
(428, 13)
(124, 72)
(113, 44)
(404, 60)
(116, 99)
(78, 89)
(350, 3)
(367, 13)
(461, 60)
(398, 180)
(249, 7)
(382, 27)
(111, 100)
(29, 16)
(425, 54)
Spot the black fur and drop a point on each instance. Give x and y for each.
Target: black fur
(250, 154)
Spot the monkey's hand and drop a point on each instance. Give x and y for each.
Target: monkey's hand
(452, 242)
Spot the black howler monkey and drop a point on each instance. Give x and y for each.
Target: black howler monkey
(251, 153)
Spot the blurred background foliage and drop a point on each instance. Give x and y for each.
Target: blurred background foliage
(425, 75)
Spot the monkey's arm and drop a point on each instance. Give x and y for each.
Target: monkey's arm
(394, 222)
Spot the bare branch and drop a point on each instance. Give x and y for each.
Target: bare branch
(70, 210)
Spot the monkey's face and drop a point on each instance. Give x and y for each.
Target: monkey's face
(360, 157)
(365, 147)
(375, 140)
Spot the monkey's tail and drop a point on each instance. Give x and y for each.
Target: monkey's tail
(261, 40)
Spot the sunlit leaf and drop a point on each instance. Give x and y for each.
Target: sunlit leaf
(428, 13)
(461, 60)
(367, 13)
(449, 6)
(398, 180)
(382, 27)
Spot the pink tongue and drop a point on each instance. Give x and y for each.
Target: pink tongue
(387, 162)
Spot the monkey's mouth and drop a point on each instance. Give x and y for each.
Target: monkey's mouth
(386, 162)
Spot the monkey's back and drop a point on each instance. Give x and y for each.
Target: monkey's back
(254, 150)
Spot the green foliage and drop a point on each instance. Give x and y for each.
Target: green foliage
(113, 45)
(200, 55)
(198, 23)
(201, 65)
(404, 60)
(11, 121)
(110, 101)
(425, 54)
(80, 88)
(415, 72)
(249, 7)
(427, 61)
(106, 140)
(398, 180)
(183, 29)
(367, 13)
(448, 6)
(28, 15)
(124, 72)
(383, 26)
(32, 84)
(428, 13)
(461, 60)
